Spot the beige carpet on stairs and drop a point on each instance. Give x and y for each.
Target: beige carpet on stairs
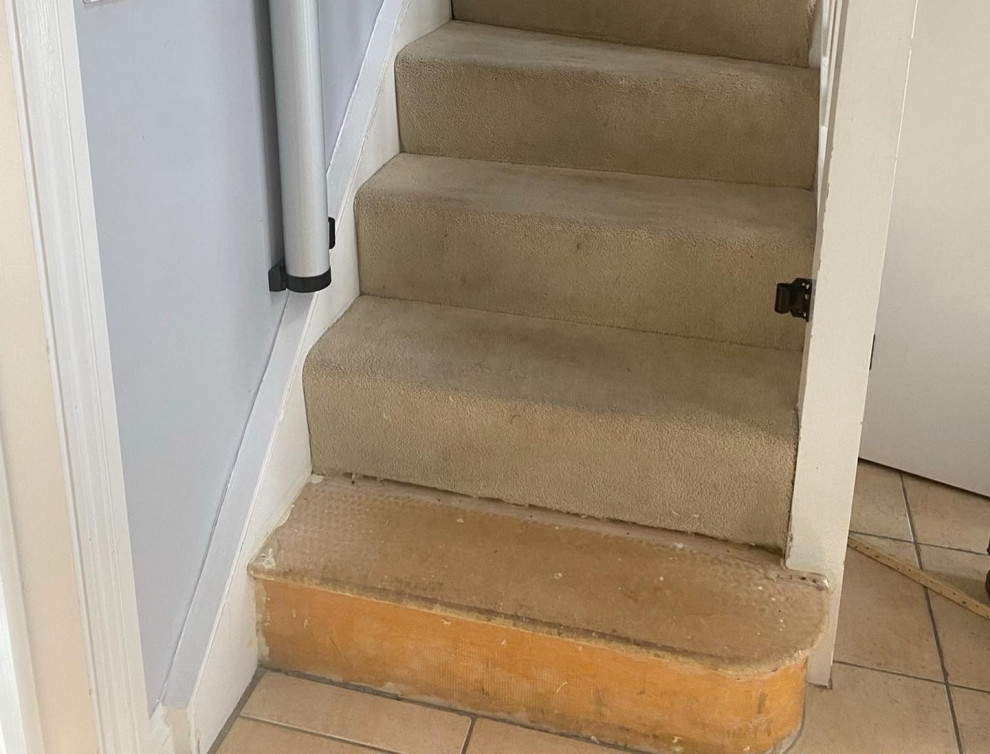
(568, 276)
(771, 31)
(488, 93)
(670, 432)
(640, 252)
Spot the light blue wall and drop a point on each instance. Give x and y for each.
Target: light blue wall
(345, 28)
(180, 121)
(180, 116)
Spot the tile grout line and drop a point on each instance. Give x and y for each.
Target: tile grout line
(969, 688)
(931, 616)
(370, 691)
(922, 544)
(907, 512)
(259, 672)
(451, 711)
(908, 675)
(897, 673)
(470, 732)
(319, 734)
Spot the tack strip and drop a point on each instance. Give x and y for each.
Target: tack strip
(921, 577)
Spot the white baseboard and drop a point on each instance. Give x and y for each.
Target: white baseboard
(169, 731)
(369, 138)
(232, 656)
(161, 734)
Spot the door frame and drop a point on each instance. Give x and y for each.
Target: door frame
(48, 87)
(865, 80)
(20, 725)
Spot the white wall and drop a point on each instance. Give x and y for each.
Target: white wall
(345, 28)
(928, 405)
(181, 125)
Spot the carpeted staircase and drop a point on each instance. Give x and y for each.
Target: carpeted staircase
(567, 288)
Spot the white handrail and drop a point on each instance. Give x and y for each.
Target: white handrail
(301, 150)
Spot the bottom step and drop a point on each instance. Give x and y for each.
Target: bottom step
(634, 636)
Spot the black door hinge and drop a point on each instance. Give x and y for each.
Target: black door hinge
(794, 298)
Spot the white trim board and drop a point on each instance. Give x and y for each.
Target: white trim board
(870, 69)
(20, 717)
(274, 463)
(60, 188)
(20, 726)
(250, 466)
(161, 737)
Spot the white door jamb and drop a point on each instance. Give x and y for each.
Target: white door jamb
(49, 91)
(869, 71)
(20, 726)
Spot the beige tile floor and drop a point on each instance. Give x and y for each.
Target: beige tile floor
(912, 673)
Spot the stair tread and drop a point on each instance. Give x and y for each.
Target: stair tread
(659, 430)
(487, 92)
(614, 249)
(677, 205)
(519, 48)
(585, 367)
(587, 246)
(724, 606)
(776, 31)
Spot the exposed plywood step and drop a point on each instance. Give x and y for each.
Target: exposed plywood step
(773, 31)
(489, 93)
(685, 257)
(659, 430)
(637, 637)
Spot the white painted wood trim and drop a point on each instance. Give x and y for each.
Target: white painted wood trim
(20, 724)
(251, 465)
(369, 137)
(57, 159)
(827, 28)
(171, 732)
(871, 62)
(160, 736)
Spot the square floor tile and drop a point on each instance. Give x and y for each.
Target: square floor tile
(400, 727)
(878, 503)
(947, 516)
(869, 712)
(252, 737)
(973, 716)
(965, 638)
(964, 570)
(490, 737)
(884, 621)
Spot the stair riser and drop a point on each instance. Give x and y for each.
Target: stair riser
(630, 698)
(718, 287)
(732, 485)
(772, 31)
(752, 126)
